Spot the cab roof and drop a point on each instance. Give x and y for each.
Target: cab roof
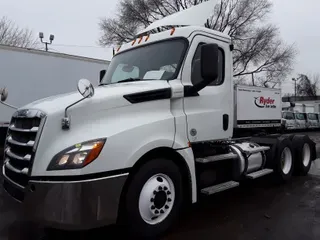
(173, 33)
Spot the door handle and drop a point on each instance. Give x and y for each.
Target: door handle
(225, 120)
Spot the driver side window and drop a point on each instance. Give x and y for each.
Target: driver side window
(196, 68)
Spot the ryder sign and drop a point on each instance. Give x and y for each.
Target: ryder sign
(257, 106)
(262, 102)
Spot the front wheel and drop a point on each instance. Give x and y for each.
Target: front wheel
(154, 198)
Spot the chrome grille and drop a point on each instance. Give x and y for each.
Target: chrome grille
(21, 141)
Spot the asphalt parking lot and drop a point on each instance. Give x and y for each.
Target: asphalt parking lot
(260, 210)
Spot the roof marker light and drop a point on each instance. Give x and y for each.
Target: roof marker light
(119, 48)
(147, 38)
(140, 39)
(134, 41)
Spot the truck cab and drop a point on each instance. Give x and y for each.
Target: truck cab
(161, 94)
(313, 119)
(289, 120)
(302, 121)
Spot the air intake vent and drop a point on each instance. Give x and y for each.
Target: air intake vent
(153, 95)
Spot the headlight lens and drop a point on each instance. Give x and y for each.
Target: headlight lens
(77, 156)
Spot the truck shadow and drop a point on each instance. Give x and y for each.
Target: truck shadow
(226, 215)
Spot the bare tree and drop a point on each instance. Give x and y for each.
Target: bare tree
(12, 35)
(308, 86)
(260, 56)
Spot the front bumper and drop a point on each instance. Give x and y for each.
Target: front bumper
(290, 127)
(77, 205)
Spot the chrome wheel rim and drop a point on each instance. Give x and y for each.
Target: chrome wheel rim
(306, 155)
(286, 160)
(156, 199)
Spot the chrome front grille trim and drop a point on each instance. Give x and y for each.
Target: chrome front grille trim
(13, 128)
(12, 155)
(14, 142)
(13, 169)
(36, 141)
(28, 113)
(22, 140)
(12, 182)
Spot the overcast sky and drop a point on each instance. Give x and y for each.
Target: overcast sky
(75, 22)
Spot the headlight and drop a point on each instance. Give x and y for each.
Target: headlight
(77, 156)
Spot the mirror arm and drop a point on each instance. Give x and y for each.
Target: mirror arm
(71, 105)
(194, 90)
(8, 105)
(66, 120)
(86, 93)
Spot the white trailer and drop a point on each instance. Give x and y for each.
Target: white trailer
(257, 107)
(30, 75)
(136, 150)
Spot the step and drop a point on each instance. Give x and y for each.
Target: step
(219, 188)
(260, 173)
(216, 158)
(257, 150)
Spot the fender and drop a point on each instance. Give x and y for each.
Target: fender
(159, 143)
(186, 154)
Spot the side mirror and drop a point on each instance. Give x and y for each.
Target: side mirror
(85, 88)
(209, 62)
(102, 74)
(3, 98)
(3, 94)
(209, 68)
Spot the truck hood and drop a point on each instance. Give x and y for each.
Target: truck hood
(105, 97)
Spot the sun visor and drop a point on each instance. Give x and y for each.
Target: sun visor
(193, 16)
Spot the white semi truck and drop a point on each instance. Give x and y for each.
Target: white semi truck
(157, 133)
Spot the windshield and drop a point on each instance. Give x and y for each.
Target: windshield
(158, 61)
(288, 115)
(312, 116)
(300, 116)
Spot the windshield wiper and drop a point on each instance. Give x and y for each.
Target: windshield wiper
(129, 80)
(124, 80)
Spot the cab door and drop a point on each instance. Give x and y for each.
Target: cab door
(210, 111)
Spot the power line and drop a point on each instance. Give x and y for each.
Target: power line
(70, 45)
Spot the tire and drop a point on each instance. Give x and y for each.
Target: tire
(156, 188)
(284, 160)
(304, 155)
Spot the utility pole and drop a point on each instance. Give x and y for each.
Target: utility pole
(51, 38)
(295, 88)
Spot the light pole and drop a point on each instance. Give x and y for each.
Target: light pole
(51, 38)
(295, 87)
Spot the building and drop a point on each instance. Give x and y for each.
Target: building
(306, 102)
